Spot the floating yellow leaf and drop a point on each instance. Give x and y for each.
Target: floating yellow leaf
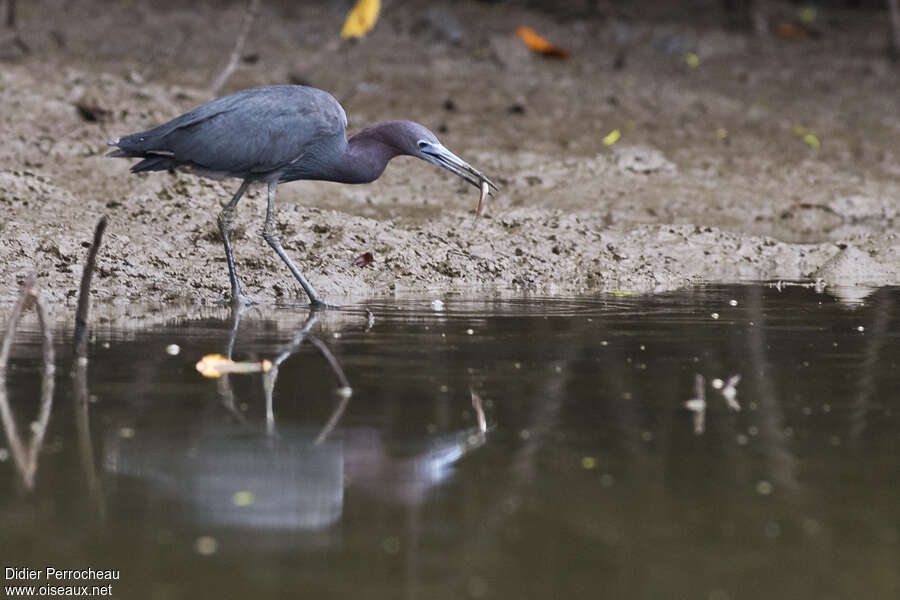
(721, 133)
(361, 19)
(538, 44)
(216, 365)
(612, 138)
(618, 293)
(692, 60)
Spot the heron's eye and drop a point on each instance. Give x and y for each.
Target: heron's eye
(422, 144)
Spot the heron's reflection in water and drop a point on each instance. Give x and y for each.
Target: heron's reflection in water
(225, 470)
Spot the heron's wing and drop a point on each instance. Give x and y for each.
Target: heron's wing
(251, 132)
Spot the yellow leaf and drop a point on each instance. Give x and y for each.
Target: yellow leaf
(216, 365)
(361, 19)
(692, 60)
(812, 140)
(612, 138)
(721, 133)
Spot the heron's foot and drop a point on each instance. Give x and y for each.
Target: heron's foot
(319, 304)
(239, 300)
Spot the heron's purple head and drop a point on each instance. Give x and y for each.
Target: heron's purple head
(410, 138)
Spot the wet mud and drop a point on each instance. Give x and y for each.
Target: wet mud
(715, 177)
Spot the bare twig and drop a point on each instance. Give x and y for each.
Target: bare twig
(697, 404)
(894, 8)
(249, 17)
(13, 27)
(26, 296)
(26, 457)
(83, 430)
(479, 411)
(84, 295)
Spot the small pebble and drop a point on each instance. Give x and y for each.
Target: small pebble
(717, 384)
(126, 433)
(715, 315)
(860, 328)
(437, 305)
(4, 454)
(173, 349)
(733, 302)
(470, 331)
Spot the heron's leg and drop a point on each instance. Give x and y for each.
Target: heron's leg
(271, 237)
(224, 219)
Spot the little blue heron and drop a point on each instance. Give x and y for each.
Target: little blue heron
(282, 133)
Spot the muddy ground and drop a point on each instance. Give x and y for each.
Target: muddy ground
(715, 177)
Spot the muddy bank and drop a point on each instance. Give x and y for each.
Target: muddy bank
(711, 180)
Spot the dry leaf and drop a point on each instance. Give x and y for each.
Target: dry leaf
(363, 259)
(361, 19)
(216, 365)
(538, 44)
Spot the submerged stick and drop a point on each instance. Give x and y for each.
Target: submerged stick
(249, 17)
(25, 297)
(84, 294)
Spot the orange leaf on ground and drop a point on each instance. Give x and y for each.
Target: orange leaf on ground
(538, 44)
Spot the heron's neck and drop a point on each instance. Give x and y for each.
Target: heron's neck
(367, 154)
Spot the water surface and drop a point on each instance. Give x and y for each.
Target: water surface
(592, 480)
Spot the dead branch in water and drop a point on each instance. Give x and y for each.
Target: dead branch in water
(84, 294)
(25, 456)
(249, 17)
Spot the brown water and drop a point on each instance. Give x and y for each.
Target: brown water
(592, 479)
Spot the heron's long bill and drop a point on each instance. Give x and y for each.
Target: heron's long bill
(437, 154)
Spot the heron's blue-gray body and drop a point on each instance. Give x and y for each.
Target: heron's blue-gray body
(277, 134)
